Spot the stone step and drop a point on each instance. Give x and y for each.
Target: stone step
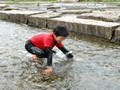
(117, 35)
(17, 15)
(85, 26)
(107, 15)
(40, 20)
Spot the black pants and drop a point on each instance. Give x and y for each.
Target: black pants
(31, 48)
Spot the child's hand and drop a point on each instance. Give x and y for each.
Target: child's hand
(48, 70)
(70, 55)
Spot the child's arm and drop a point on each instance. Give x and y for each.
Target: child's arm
(66, 52)
(49, 54)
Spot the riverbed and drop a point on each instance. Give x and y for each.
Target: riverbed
(96, 66)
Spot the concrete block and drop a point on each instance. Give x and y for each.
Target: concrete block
(89, 27)
(107, 15)
(17, 15)
(117, 35)
(39, 20)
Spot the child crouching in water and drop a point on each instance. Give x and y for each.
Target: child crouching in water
(41, 45)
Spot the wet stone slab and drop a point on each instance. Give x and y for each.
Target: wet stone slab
(106, 15)
(17, 15)
(86, 26)
(40, 20)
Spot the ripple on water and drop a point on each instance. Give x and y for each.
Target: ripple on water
(94, 65)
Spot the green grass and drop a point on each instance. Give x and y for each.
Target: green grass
(100, 0)
(112, 0)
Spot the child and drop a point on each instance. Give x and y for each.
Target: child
(41, 45)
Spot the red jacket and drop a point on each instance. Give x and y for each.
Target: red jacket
(45, 40)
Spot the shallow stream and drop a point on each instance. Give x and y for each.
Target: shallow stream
(95, 66)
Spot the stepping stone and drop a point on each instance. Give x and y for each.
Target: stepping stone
(117, 35)
(40, 20)
(107, 15)
(17, 15)
(83, 26)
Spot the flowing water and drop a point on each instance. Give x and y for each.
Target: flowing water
(96, 66)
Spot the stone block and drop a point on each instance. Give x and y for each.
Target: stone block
(39, 20)
(89, 27)
(117, 35)
(107, 15)
(17, 15)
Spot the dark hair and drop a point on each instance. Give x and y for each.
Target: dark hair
(61, 31)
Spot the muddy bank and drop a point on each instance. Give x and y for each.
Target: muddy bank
(95, 66)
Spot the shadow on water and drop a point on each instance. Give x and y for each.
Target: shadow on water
(95, 64)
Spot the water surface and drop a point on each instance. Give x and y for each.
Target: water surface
(96, 66)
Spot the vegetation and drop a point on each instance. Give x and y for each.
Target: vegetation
(99, 0)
